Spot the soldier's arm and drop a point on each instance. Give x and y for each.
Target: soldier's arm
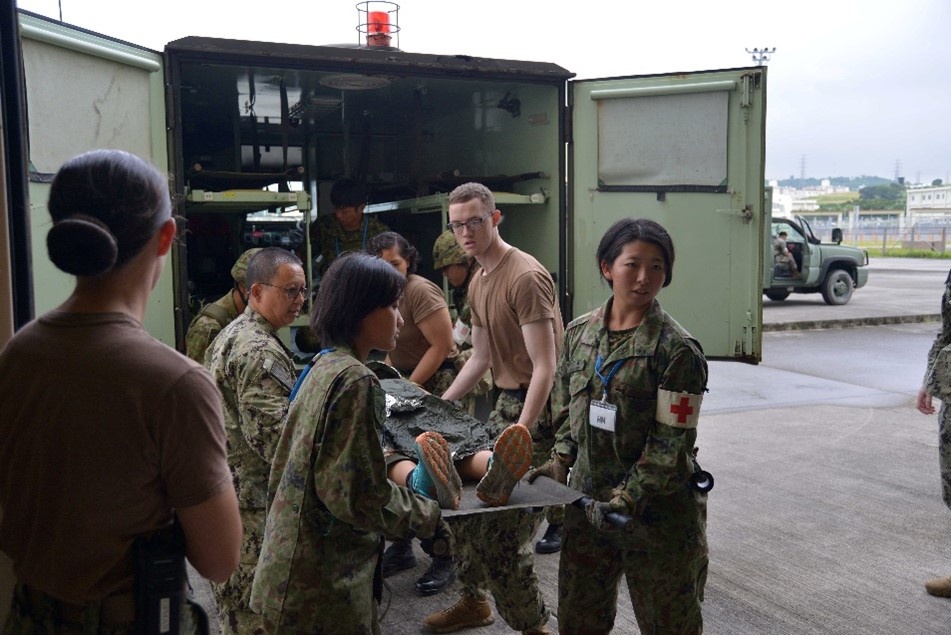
(474, 368)
(437, 330)
(540, 343)
(213, 535)
(665, 464)
(262, 402)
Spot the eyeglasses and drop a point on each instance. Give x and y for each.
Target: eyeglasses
(290, 293)
(474, 224)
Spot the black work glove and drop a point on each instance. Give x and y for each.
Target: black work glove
(555, 468)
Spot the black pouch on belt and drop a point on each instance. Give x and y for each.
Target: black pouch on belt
(159, 561)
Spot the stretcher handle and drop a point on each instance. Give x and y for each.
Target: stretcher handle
(618, 520)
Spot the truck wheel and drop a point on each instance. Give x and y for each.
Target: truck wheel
(837, 288)
(777, 294)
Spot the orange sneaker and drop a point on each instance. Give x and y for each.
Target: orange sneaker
(511, 458)
(435, 476)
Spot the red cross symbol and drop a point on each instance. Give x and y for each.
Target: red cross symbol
(682, 410)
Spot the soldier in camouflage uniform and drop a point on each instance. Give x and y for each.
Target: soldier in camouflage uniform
(937, 383)
(255, 373)
(516, 328)
(348, 228)
(626, 402)
(220, 313)
(458, 269)
(331, 504)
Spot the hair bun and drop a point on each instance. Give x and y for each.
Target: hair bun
(82, 246)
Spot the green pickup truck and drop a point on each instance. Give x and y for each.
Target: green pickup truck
(832, 269)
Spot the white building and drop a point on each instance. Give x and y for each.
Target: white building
(931, 203)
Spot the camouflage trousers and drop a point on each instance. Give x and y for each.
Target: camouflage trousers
(33, 612)
(232, 598)
(495, 548)
(944, 452)
(666, 587)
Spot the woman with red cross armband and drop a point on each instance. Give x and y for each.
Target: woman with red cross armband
(626, 401)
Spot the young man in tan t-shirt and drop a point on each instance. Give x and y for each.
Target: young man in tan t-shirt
(516, 330)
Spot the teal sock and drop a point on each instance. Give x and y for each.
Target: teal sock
(420, 481)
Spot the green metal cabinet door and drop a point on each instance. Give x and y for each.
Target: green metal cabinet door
(686, 150)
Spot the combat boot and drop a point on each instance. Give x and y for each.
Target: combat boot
(511, 458)
(397, 557)
(939, 587)
(435, 476)
(466, 613)
(551, 541)
(440, 573)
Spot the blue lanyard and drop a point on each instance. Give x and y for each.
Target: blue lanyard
(606, 380)
(363, 246)
(306, 371)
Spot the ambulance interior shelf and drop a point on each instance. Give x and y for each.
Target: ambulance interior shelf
(440, 203)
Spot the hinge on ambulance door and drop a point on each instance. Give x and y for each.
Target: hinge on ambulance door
(746, 91)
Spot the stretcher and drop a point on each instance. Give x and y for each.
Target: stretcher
(544, 492)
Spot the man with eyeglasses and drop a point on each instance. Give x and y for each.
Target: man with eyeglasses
(516, 330)
(255, 374)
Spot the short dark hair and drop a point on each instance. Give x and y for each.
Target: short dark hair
(354, 286)
(105, 206)
(348, 193)
(387, 240)
(264, 264)
(472, 190)
(626, 231)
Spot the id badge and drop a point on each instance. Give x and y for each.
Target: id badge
(460, 333)
(601, 415)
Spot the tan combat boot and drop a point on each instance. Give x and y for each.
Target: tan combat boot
(465, 613)
(940, 587)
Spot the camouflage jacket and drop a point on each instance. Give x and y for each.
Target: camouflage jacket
(331, 502)
(649, 459)
(204, 328)
(255, 375)
(938, 374)
(331, 239)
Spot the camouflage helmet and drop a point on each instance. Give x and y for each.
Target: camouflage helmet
(446, 251)
(240, 269)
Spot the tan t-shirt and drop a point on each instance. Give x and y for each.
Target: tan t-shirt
(518, 291)
(421, 298)
(104, 431)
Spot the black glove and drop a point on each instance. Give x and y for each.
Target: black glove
(555, 468)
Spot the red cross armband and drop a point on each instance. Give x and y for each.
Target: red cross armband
(678, 409)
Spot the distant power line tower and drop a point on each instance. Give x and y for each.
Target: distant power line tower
(761, 56)
(802, 171)
(897, 169)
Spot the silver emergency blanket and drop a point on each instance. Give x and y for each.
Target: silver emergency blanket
(410, 411)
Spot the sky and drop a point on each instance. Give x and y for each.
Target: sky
(854, 87)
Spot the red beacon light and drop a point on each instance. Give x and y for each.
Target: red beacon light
(375, 23)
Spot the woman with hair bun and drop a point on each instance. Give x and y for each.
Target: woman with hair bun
(107, 434)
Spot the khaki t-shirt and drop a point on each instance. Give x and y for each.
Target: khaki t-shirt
(421, 298)
(104, 432)
(518, 291)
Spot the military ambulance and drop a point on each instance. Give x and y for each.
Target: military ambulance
(253, 134)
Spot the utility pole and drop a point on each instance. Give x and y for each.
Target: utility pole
(761, 55)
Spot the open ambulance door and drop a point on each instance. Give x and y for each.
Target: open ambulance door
(86, 91)
(686, 150)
